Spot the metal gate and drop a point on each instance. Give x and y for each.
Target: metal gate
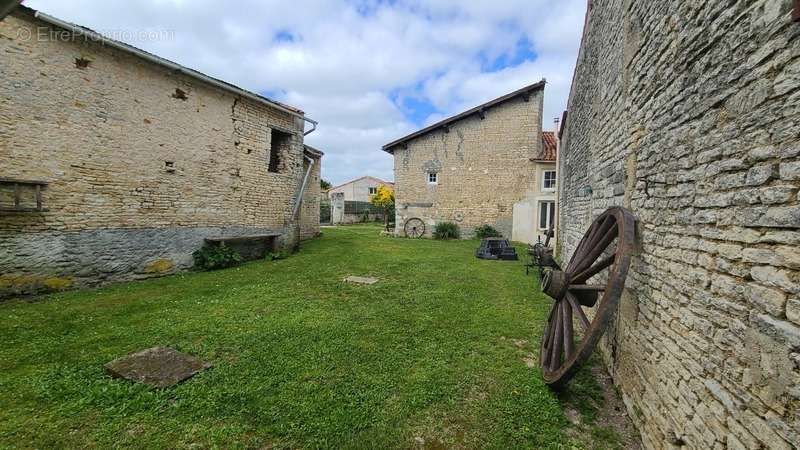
(325, 212)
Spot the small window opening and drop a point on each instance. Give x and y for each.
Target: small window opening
(433, 177)
(278, 147)
(180, 94)
(82, 63)
(169, 166)
(549, 180)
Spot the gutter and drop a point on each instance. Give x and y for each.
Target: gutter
(171, 65)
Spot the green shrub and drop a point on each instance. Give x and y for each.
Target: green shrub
(486, 231)
(446, 230)
(212, 257)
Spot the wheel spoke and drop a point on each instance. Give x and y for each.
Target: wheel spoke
(586, 287)
(597, 249)
(588, 242)
(566, 309)
(577, 308)
(555, 356)
(594, 270)
(551, 327)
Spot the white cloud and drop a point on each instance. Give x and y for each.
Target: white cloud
(347, 69)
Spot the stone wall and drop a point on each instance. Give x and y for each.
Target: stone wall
(309, 209)
(142, 163)
(687, 112)
(484, 167)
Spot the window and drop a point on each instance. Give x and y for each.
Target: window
(433, 177)
(278, 147)
(547, 214)
(549, 180)
(373, 191)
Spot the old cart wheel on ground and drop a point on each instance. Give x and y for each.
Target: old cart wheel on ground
(414, 227)
(597, 269)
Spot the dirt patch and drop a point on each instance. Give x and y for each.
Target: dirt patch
(596, 412)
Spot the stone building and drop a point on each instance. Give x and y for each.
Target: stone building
(488, 165)
(116, 164)
(686, 113)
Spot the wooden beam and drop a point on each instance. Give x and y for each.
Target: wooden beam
(39, 196)
(16, 195)
(482, 113)
(446, 128)
(526, 97)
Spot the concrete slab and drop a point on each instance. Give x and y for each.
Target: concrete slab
(158, 366)
(361, 280)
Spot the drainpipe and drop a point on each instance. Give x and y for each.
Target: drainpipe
(302, 187)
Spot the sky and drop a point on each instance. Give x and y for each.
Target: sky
(369, 71)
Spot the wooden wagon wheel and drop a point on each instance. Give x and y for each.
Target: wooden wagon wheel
(414, 227)
(607, 244)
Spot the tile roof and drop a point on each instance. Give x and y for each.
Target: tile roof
(549, 147)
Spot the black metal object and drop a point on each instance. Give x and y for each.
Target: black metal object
(496, 248)
(541, 254)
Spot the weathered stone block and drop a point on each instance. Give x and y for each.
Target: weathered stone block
(158, 366)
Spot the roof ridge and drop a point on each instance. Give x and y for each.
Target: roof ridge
(462, 115)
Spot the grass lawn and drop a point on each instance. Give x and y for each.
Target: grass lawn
(432, 356)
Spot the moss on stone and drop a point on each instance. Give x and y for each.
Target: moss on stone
(57, 283)
(159, 266)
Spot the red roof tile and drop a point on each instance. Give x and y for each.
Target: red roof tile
(549, 147)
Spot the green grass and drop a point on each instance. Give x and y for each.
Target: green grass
(430, 356)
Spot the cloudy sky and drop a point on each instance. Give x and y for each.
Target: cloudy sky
(369, 71)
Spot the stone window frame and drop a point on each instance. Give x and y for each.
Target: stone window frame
(433, 177)
(550, 215)
(545, 180)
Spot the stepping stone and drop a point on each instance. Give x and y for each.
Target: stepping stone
(361, 280)
(158, 366)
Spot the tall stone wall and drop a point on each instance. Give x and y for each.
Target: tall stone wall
(484, 167)
(688, 113)
(142, 163)
(309, 209)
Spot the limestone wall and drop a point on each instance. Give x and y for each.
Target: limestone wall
(687, 113)
(309, 209)
(138, 173)
(484, 167)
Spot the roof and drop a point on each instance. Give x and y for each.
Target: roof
(549, 147)
(172, 66)
(525, 91)
(361, 178)
(313, 151)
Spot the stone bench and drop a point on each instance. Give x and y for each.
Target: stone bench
(250, 247)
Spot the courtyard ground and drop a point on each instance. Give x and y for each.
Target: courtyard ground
(437, 354)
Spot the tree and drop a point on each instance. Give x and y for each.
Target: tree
(383, 198)
(324, 184)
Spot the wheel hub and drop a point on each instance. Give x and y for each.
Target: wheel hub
(555, 283)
